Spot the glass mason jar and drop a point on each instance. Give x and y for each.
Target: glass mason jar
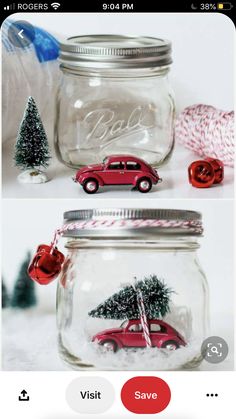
(132, 294)
(114, 98)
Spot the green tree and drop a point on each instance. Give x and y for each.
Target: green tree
(123, 304)
(24, 289)
(5, 296)
(31, 149)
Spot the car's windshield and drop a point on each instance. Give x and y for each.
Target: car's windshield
(124, 324)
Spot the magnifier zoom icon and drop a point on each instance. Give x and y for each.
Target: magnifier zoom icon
(214, 350)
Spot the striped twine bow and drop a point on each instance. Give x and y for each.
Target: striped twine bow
(143, 317)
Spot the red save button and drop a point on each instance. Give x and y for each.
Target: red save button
(145, 395)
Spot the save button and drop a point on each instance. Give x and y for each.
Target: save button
(145, 395)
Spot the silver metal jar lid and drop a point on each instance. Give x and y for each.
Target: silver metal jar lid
(129, 222)
(115, 51)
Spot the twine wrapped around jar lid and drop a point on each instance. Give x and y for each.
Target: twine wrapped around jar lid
(115, 51)
(129, 222)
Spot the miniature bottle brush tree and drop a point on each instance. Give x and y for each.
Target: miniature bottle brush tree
(124, 305)
(32, 149)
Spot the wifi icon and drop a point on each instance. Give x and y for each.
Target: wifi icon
(55, 5)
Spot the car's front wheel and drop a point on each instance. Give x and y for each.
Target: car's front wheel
(90, 186)
(144, 185)
(171, 345)
(109, 345)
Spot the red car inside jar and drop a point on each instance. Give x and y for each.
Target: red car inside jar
(130, 334)
(118, 170)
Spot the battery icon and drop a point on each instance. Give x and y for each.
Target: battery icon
(224, 6)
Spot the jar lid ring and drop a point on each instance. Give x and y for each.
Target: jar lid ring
(193, 226)
(114, 51)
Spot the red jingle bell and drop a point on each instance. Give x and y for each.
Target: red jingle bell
(218, 167)
(205, 173)
(46, 264)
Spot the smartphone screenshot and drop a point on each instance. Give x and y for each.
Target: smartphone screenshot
(118, 218)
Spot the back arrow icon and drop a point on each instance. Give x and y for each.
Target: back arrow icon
(20, 34)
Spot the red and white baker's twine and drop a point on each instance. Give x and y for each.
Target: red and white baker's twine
(143, 318)
(194, 226)
(207, 131)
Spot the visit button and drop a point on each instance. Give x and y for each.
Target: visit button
(145, 395)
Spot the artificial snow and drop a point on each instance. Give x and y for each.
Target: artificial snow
(29, 343)
(135, 359)
(32, 176)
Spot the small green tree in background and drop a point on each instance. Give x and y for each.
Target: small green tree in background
(24, 290)
(124, 305)
(31, 149)
(5, 296)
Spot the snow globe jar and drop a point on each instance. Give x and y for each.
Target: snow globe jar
(114, 98)
(132, 294)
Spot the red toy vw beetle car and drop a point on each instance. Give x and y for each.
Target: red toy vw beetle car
(130, 335)
(118, 170)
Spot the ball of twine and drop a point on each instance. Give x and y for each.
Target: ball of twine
(207, 131)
